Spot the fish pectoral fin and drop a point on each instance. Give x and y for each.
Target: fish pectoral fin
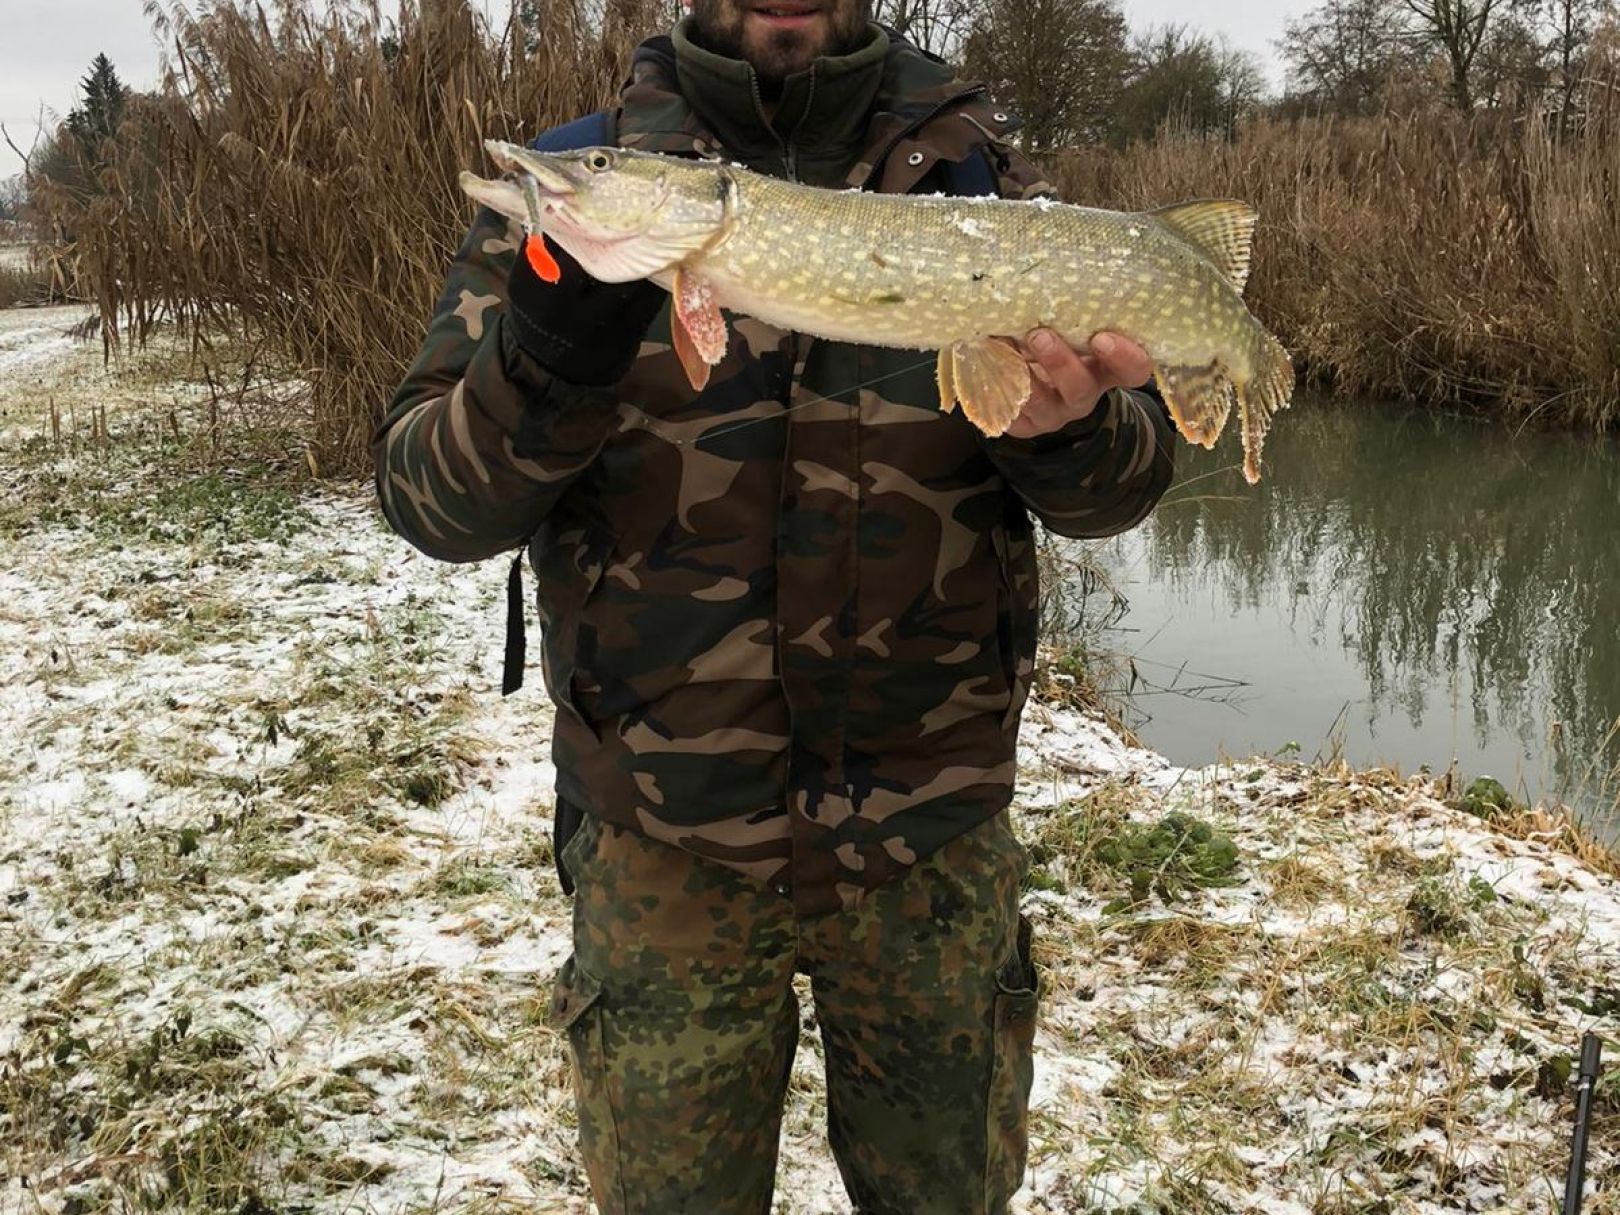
(989, 378)
(697, 326)
(1200, 398)
(1221, 229)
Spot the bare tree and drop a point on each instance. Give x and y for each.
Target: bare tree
(940, 27)
(1571, 27)
(1456, 28)
(13, 193)
(1181, 77)
(1059, 62)
(1342, 54)
(1513, 67)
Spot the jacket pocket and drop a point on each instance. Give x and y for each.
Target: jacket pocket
(563, 600)
(1012, 1074)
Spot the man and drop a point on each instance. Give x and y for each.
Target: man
(789, 629)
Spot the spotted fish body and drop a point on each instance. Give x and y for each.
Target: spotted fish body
(925, 273)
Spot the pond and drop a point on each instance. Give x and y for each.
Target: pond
(1410, 588)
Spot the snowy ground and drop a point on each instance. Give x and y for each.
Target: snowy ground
(277, 913)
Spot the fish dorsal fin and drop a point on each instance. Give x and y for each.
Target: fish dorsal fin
(1222, 229)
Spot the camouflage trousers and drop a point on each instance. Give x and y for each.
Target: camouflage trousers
(681, 1016)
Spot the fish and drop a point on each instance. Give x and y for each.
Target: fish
(965, 277)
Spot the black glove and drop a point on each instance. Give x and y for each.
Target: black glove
(580, 330)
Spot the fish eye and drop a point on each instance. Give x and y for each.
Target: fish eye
(598, 161)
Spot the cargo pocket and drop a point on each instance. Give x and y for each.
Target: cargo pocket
(563, 599)
(1012, 1075)
(576, 1012)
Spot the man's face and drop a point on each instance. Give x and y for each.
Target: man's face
(780, 37)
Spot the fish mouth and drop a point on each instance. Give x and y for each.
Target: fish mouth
(550, 174)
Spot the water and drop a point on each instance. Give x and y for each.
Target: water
(1419, 590)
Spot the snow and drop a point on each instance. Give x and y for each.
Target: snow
(192, 834)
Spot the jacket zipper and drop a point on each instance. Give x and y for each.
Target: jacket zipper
(790, 155)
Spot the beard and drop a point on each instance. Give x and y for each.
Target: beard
(723, 27)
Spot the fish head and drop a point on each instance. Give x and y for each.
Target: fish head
(622, 215)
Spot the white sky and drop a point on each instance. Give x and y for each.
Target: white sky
(46, 46)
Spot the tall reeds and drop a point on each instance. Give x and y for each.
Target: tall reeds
(1471, 263)
(296, 179)
(297, 176)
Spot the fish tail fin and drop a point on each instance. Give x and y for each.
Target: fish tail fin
(1201, 397)
(1267, 392)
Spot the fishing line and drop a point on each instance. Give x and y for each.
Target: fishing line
(651, 424)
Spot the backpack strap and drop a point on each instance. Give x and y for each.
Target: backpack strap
(970, 178)
(592, 131)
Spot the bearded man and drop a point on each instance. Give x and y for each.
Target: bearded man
(789, 627)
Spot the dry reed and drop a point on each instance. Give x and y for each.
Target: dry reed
(296, 179)
(1421, 257)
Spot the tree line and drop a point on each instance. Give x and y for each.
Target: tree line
(1362, 56)
(1078, 74)
(1437, 176)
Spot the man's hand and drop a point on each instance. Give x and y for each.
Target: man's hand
(581, 330)
(1067, 383)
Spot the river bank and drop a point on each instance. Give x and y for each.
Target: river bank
(277, 913)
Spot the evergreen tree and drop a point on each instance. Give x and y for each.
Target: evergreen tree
(96, 119)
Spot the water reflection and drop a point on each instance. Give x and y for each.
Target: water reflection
(1453, 590)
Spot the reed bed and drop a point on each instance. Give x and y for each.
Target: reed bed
(1460, 263)
(295, 184)
(296, 178)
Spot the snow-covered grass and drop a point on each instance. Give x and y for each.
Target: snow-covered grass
(278, 917)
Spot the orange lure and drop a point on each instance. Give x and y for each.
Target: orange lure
(540, 259)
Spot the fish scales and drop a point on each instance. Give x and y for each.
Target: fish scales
(915, 273)
(920, 272)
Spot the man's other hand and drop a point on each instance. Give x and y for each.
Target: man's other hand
(1067, 384)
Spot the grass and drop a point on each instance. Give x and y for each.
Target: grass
(22, 286)
(277, 913)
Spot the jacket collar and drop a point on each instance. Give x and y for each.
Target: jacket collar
(820, 114)
(918, 115)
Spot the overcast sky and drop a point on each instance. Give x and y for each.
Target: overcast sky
(46, 45)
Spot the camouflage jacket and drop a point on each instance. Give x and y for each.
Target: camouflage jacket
(789, 621)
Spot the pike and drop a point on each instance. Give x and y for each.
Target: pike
(958, 275)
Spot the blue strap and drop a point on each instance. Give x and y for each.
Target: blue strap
(592, 131)
(970, 178)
